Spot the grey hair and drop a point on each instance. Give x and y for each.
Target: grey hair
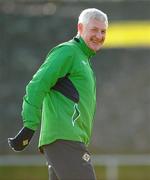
(92, 13)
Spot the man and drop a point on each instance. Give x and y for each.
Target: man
(62, 97)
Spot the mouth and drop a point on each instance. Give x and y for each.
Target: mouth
(97, 41)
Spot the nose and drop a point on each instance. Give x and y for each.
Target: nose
(99, 35)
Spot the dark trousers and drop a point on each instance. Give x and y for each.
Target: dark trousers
(68, 160)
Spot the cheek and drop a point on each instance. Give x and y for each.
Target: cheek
(89, 36)
(86, 37)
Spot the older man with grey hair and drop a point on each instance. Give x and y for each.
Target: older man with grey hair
(62, 97)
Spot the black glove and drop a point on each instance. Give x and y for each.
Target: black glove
(21, 140)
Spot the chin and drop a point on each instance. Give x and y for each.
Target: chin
(95, 48)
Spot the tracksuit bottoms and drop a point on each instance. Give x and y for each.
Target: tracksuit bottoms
(68, 160)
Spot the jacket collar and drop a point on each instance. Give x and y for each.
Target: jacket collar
(82, 45)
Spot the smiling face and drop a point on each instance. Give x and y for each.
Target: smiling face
(93, 33)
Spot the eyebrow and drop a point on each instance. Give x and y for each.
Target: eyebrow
(103, 29)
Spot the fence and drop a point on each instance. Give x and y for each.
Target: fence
(111, 162)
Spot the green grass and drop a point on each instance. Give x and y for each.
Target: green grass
(134, 173)
(23, 173)
(100, 173)
(40, 173)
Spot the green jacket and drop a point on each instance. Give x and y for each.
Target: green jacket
(62, 95)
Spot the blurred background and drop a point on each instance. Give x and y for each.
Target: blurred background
(120, 142)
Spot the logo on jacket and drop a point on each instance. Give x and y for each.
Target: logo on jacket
(83, 62)
(76, 114)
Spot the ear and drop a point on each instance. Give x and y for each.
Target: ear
(80, 28)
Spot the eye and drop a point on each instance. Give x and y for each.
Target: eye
(94, 30)
(103, 31)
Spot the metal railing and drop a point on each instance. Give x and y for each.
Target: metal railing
(111, 162)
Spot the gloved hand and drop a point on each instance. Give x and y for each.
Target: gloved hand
(21, 140)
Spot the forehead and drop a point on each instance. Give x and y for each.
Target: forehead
(93, 23)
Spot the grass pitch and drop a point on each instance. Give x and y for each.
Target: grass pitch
(41, 173)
